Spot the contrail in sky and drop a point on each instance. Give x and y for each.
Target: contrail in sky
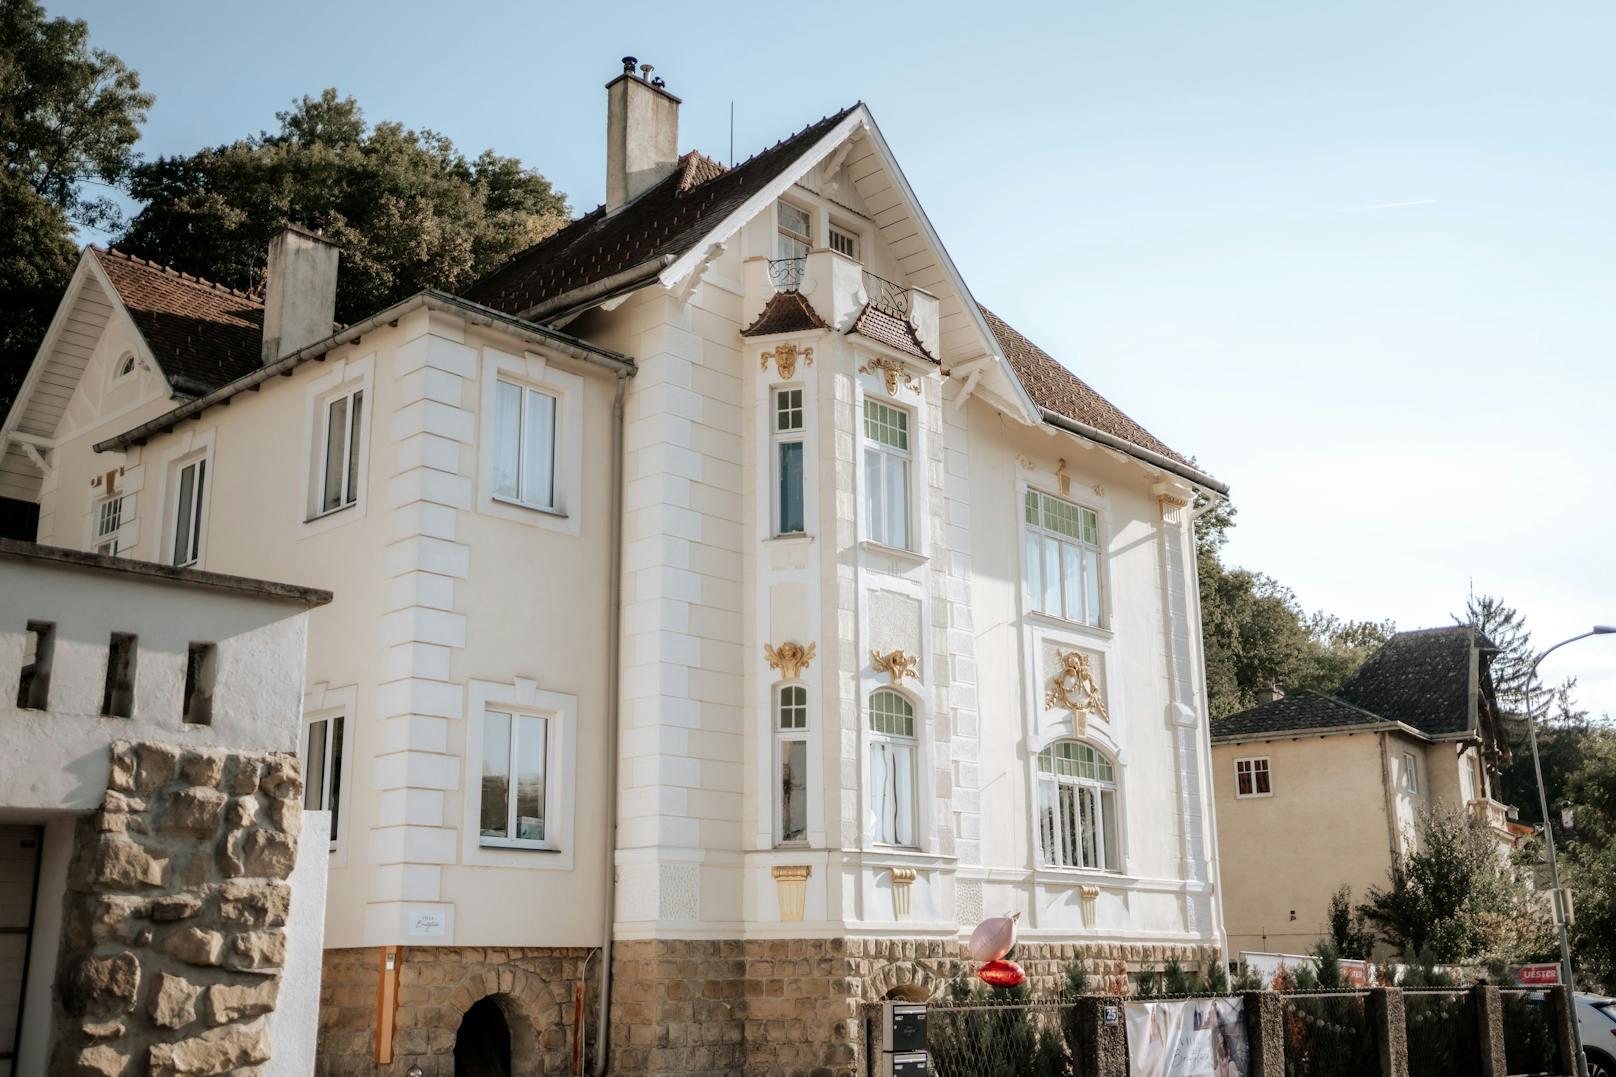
(1385, 205)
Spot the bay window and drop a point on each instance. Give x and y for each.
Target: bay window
(1062, 558)
(791, 753)
(524, 445)
(1077, 808)
(886, 474)
(892, 768)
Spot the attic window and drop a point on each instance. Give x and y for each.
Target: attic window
(125, 368)
(843, 242)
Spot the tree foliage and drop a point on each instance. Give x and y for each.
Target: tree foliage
(408, 210)
(1255, 632)
(1349, 936)
(1589, 861)
(69, 116)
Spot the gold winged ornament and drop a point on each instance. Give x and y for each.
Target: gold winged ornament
(1074, 688)
(790, 659)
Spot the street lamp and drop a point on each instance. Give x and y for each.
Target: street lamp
(1561, 906)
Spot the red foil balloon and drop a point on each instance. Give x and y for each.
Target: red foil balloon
(1001, 974)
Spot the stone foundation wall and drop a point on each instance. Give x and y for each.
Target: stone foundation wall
(172, 940)
(793, 1007)
(436, 986)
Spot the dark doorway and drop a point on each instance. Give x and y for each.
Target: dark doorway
(483, 1044)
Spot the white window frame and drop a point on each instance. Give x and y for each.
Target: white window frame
(1251, 766)
(331, 776)
(107, 510)
(120, 375)
(1105, 796)
(523, 696)
(784, 236)
(189, 450)
(779, 438)
(888, 744)
(340, 378)
(1035, 537)
(546, 732)
(353, 453)
(875, 494)
(1411, 774)
(852, 237)
(322, 701)
(534, 371)
(528, 396)
(784, 737)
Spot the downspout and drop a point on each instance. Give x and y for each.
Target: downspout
(614, 616)
(1390, 798)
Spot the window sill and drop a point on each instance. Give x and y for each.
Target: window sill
(1052, 620)
(1075, 875)
(912, 557)
(1253, 796)
(790, 538)
(327, 514)
(515, 846)
(543, 510)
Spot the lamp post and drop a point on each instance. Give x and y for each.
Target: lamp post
(1561, 906)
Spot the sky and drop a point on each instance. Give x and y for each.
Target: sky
(1356, 259)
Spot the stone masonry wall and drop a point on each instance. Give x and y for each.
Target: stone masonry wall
(791, 1007)
(172, 933)
(436, 986)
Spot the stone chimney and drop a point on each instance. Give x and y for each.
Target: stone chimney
(642, 134)
(300, 292)
(1268, 693)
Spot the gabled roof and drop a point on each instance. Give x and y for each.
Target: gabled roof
(885, 328)
(661, 224)
(1426, 678)
(203, 335)
(785, 312)
(1293, 713)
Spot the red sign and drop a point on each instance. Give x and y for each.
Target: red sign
(1536, 975)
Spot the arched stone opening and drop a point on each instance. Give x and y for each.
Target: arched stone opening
(496, 1038)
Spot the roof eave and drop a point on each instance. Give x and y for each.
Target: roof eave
(1155, 459)
(1319, 731)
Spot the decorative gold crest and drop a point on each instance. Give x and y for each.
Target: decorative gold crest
(897, 664)
(1075, 689)
(891, 370)
(785, 358)
(791, 658)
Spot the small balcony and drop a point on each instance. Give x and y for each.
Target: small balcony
(839, 290)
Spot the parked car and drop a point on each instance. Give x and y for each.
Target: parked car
(1596, 1023)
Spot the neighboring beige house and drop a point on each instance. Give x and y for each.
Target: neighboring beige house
(1315, 791)
(718, 583)
(162, 890)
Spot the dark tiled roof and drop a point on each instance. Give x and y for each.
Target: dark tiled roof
(668, 219)
(1054, 387)
(890, 330)
(1305, 710)
(202, 334)
(786, 312)
(1421, 678)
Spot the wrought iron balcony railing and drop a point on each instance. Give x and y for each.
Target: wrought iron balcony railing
(786, 273)
(887, 297)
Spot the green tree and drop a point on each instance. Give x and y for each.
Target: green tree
(1349, 937)
(1588, 864)
(408, 209)
(69, 117)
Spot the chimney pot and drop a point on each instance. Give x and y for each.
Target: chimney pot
(300, 292)
(1268, 693)
(642, 134)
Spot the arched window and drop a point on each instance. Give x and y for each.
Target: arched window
(892, 768)
(791, 761)
(1077, 807)
(125, 367)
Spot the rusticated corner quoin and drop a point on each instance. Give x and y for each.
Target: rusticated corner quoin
(173, 934)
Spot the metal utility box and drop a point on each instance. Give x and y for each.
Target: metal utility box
(907, 1064)
(903, 1028)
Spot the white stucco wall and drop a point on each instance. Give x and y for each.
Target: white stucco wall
(297, 1008)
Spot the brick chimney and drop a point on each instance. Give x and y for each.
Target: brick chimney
(642, 134)
(300, 292)
(1268, 693)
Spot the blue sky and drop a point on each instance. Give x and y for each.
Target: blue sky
(1356, 258)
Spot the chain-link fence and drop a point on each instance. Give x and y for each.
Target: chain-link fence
(1530, 1043)
(984, 1038)
(1442, 1036)
(1328, 1034)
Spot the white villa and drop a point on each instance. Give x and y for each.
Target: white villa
(725, 601)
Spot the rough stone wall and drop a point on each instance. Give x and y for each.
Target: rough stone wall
(436, 986)
(792, 1007)
(172, 932)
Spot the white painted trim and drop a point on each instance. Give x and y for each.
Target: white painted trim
(1268, 767)
(523, 696)
(535, 370)
(183, 450)
(320, 703)
(344, 377)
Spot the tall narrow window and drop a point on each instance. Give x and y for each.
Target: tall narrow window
(339, 451)
(791, 241)
(200, 663)
(1411, 773)
(190, 488)
(1063, 558)
(886, 473)
(118, 695)
(892, 768)
(524, 445)
(108, 519)
(791, 726)
(788, 461)
(322, 768)
(515, 753)
(1252, 778)
(1077, 807)
(39, 647)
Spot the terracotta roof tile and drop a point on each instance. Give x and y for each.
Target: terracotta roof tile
(890, 330)
(785, 312)
(1054, 387)
(202, 334)
(668, 219)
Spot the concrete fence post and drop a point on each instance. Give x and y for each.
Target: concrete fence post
(1561, 1014)
(1265, 1033)
(1487, 1007)
(1103, 1050)
(1390, 1027)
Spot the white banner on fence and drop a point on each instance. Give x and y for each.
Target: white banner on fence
(1195, 1038)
